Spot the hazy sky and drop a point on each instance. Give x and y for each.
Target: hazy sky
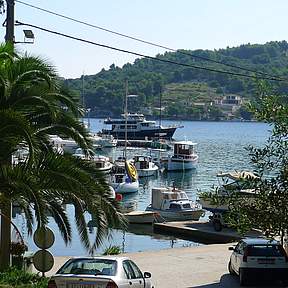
(185, 24)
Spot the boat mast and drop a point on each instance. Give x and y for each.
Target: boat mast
(83, 102)
(126, 115)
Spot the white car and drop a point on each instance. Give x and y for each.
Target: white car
(100, 272)
(258, 257)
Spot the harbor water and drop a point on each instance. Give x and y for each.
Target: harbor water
(221, 148)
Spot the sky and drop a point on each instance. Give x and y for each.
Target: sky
(182, 24)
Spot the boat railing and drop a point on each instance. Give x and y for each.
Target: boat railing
(183, 156)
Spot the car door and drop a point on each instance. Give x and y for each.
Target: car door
(233, 257)
(239, 255)
(133, 274)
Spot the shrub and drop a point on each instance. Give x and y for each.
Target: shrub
(20, 278)
(112, 250)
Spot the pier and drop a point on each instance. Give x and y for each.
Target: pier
(200, 231)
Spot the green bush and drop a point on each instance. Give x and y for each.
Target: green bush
(112, 250)
(19, 278)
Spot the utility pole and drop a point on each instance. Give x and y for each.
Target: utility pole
(9, 37)
(5, 233)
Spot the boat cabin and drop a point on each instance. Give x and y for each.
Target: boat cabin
(162, 197)
(184, 148)
(143, 161)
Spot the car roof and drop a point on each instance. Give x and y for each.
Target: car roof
(108, 257)
(260, 241)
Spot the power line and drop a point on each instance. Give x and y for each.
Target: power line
(148, 42)
(146, 56)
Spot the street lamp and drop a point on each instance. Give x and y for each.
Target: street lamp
(28, 34)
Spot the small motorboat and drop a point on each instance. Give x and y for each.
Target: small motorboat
(144, 165)
(231, 184)
(104, 141)
(173, 204)
(183, 158)
(102, 163)
(141, 217)
(124, 177)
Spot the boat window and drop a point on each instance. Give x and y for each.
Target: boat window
(122, 126)
(145, 124)
(175, 206)
(187, 205)
(98, 165)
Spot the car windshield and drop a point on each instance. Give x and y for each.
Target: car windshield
(266, 250)
(89, 267)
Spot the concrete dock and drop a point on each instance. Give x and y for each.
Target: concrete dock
(200, 231)
(202, 267)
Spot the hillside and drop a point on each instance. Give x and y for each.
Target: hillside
(187, 93)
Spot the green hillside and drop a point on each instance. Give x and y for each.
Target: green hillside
(187, 93)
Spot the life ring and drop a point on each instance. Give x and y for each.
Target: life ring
(131, 170)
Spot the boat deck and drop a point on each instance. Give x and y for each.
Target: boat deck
(144, 144)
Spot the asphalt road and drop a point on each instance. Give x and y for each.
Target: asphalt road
(202, 267)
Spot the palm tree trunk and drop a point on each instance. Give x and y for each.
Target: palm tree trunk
(5, 227)
(5, 236)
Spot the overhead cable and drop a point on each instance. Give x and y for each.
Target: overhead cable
(146, 56)
(148, 42)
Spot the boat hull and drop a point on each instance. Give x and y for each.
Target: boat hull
(147, 172)
(206, 204)
(164, 133)
(140, 217)
(179, 164)
(125, 187)
(163, 215)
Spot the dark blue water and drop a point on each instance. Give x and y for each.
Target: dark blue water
(220, 148)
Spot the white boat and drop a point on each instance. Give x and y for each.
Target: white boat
(124, 178)
(232, 186)
(68, 145)
(144, 165)
(104, 141)
(102, 163)
(183, 158)
(141, 217)
(79, 154)
(173, 204)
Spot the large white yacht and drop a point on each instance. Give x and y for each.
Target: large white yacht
(137, 127)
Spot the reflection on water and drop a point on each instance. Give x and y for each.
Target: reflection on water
(220, 148)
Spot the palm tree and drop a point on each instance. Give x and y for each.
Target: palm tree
(33, 104)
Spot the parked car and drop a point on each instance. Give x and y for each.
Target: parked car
(261, 257)
(100, 272)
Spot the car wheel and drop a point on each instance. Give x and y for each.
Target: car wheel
(231, 271)
(217, 225)
(243, 278)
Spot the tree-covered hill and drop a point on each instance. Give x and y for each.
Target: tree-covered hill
(187, 92)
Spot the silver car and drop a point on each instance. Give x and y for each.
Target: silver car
(100, 272)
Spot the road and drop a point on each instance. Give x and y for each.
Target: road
(202, 267)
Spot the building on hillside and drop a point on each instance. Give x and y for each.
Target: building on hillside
(229, 104)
